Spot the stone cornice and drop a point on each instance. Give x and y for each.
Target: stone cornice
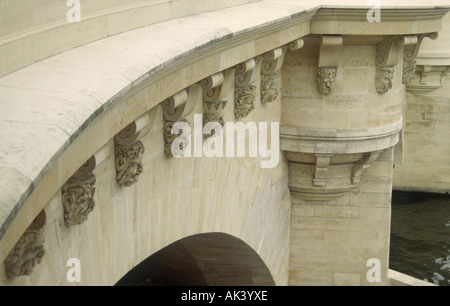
(353, 21)
(338, 141)
(343, 13)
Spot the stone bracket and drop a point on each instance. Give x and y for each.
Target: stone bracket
(244, 92)
(248, 71)
(78, 192)
(128, 151)
(180, 105)
(173, 107)
(444, 75)
(128, 161)
(330, 47)
(425, 74)
(411, 49)
(132, 132)
(217, 86)
(28, 251)
(215, 89)
(387, 53)
(362, 164)
(296, 44)
(270, 74)
(273, 60)
(329, 51)
(412, 44)
(78, 198)
(270, 70)
(321, 168)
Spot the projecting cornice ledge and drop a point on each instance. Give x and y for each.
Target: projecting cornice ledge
(396, 20)
(337, 141)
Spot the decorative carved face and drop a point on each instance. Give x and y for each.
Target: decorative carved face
(244, 101)
(384, 79)
(129, 163)
(27, 254)
(327, 77)
(28, 251)
(78, 198)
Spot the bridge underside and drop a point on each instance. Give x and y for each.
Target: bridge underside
(212, 259)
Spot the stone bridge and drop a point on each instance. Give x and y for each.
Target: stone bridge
(316, 94)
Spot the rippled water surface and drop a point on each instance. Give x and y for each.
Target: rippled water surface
(420, 236)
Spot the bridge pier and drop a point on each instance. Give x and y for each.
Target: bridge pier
(338, 132)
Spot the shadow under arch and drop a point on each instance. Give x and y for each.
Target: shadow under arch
(210, 259)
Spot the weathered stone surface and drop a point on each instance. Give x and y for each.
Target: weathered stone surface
(58, 112)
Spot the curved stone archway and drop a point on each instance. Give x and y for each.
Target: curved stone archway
(210, 259)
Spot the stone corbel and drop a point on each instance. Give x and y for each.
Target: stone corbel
(215, 89)
(444, 75)
(411, 49)
(321, 168)
(387, 53)
(244, 92)
(28, 251)
(129, 151)
(247, 72)
(217, 86)
(78, 192)
(270, 76)
(412, 45)
(362, 164)
(330, 47)
(425, 73)
(179, 106)
(270, 71)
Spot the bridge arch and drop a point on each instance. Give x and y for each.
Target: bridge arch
(209, 259)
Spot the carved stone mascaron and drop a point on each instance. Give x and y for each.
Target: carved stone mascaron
(327, 78)
(28, 251)
(129, 163)
(78, 198)
(244, 101)
(384, 79)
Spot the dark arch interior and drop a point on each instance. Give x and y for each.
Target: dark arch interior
(212, 259)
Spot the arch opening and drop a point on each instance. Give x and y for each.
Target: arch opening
(211, 259)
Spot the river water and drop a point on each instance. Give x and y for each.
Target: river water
(420, 236)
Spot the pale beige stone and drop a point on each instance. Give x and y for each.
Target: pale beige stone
(315, 219)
